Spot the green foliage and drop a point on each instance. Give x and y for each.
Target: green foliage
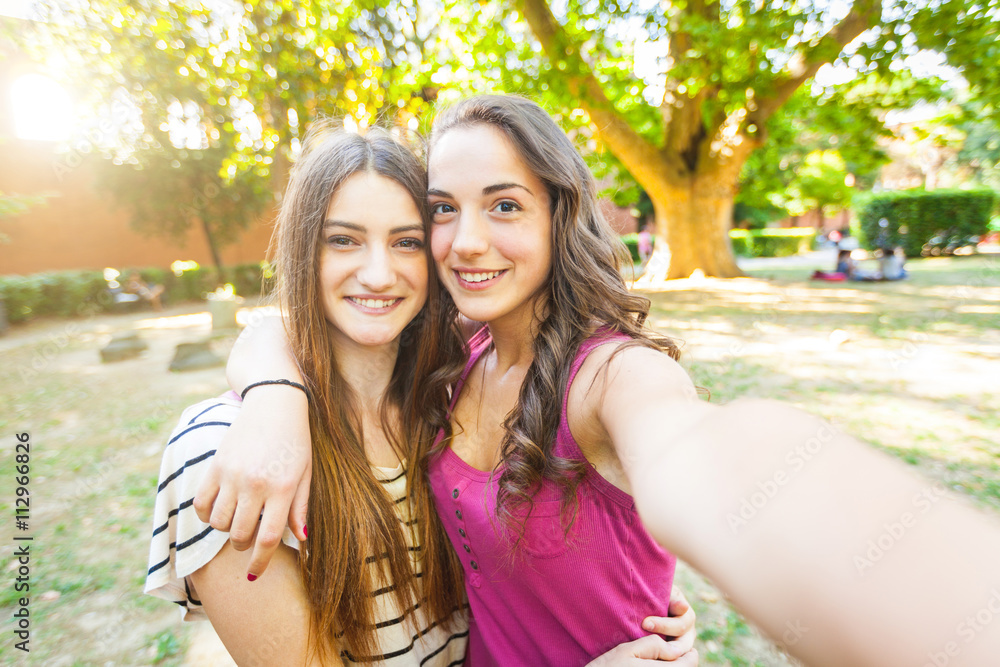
(85, 293)
(772, 242)
(966, 33)
(979, 156)
(753, 217)
(783, 174)
(631, 242)
(821, 183)
(918, 218)
(12, 205)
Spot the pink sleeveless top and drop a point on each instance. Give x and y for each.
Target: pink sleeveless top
(552, 602)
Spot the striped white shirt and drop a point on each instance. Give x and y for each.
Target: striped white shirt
(182, 544)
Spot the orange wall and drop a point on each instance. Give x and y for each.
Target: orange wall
(82, 229)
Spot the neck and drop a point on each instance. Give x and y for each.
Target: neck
(367, 370)
(514, 336)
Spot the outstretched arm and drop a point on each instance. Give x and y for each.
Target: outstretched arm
(259, 478)
(834, 549)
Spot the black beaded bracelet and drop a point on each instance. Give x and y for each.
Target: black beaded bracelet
(284, 382)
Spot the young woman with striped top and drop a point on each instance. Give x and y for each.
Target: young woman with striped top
(376, 580)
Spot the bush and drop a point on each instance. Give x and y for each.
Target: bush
(741, 242)
(631, 242)
(72, 293)
(772, 242)
(920, 221)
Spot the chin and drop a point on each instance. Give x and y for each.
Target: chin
(370, 336)
(478, 312)
(376, 338)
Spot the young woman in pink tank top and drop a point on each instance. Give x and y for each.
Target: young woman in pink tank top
(571, 428)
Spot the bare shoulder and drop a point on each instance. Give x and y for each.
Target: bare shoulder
(617, 378)
(618, 367)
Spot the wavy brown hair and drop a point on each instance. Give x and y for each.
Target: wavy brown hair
(353, 524)
(584, 293)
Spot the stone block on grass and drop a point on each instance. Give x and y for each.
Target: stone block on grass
(123, 346)
(195, 356)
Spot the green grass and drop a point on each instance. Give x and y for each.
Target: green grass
(96, 435)
(167, 646)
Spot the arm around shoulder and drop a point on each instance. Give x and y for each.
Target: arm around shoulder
(264, 463)
(261, 353)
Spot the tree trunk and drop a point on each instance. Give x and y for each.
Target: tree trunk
(692, 231)
(213, 250)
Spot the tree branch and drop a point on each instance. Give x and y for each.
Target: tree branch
(638, 155)
(863, 14)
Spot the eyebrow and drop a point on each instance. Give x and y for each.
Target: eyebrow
(361, 228)
(488, 190)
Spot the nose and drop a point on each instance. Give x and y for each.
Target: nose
(471, 236)
(377, 273)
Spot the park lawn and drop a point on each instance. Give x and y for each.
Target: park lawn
(97, 432)
(909, 367)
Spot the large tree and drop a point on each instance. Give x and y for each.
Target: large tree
(729, 68)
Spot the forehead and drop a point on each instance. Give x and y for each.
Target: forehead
(369, 198)
(476, 154)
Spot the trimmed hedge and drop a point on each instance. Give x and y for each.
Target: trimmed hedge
(72, 293)
(917, 220)
(778, 242)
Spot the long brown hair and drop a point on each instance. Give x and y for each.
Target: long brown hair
(584, 292)
(353, 526)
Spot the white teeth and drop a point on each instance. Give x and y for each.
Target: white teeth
(478, 277)
(373, 303)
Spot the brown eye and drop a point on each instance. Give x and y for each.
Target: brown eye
(507, 206)
(442, 207)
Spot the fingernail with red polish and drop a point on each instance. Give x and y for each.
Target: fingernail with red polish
(251, 577)
(305, 530)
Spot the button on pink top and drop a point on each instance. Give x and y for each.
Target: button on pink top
(551, 602)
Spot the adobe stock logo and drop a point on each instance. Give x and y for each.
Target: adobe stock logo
(894, 531)
(970, 628)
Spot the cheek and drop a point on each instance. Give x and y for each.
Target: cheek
(417, 274)
(329, 282)
(442, 237)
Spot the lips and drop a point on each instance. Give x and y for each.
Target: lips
(477, 280)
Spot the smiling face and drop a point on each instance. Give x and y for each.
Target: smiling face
(373, 267)
(492, 229)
